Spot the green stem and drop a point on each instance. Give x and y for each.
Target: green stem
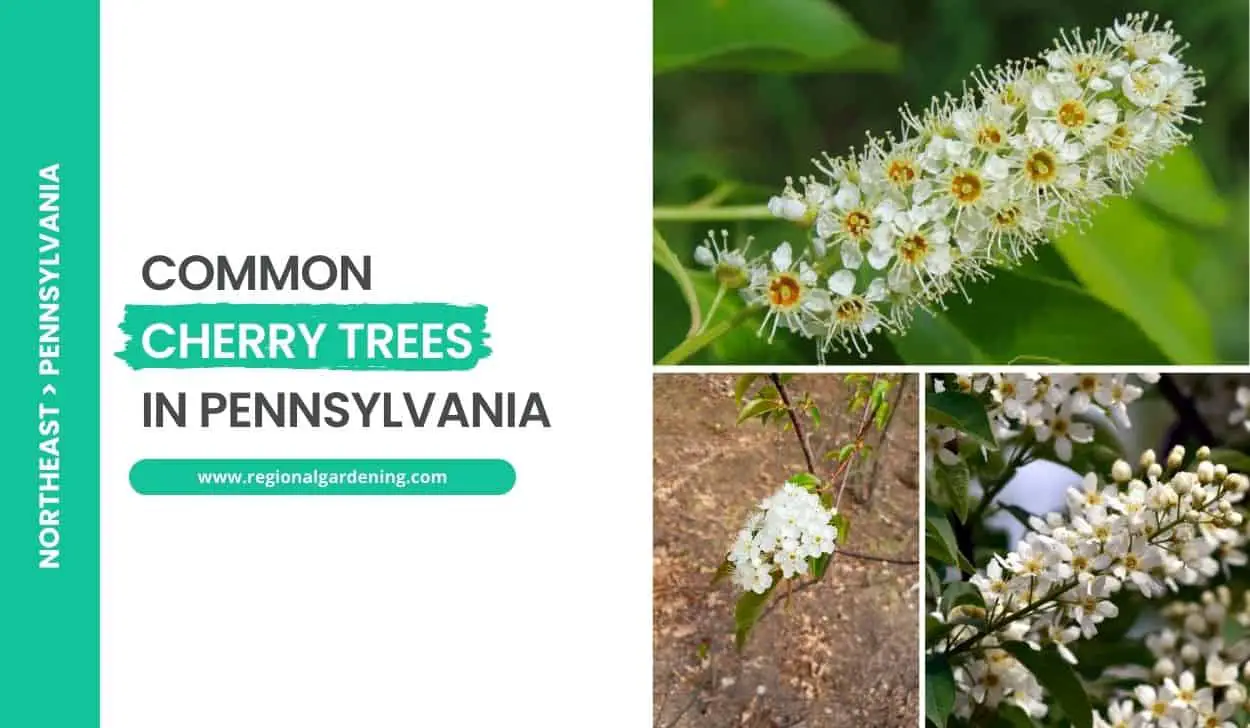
(711, 310)
(693, 344)
(691, 213)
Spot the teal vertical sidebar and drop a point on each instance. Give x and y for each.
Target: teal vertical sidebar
(49, 115)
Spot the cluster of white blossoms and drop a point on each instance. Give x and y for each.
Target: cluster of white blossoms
(1202, 678)
(1046, 405)
(787, 529)
(1149, 532)
(974, 182)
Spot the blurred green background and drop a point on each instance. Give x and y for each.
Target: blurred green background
(748, 91)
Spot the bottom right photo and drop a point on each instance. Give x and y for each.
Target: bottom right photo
(1085, 549)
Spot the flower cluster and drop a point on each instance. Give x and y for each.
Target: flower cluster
(1149, 532)
(787, 529)
(974, 182)
(1203, 675)
(1045, 405)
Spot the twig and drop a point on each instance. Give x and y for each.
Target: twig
(865, 419)
(1190, 421)
(794, 420)
(773, 604)
(870, 557)
(842, 472)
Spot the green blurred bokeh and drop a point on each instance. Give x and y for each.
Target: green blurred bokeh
(1162, 278)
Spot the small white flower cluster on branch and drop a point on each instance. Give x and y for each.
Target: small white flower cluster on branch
(1046, 405)
(1203, 676)
(1149, 532)
(975, 182)
(787, 530)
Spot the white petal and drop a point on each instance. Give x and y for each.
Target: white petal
(842, 282)
(703, 256)
(996, 168)
(851, 256)
(782, 257)
(847, 197)
(1043, 97)
(879, 258)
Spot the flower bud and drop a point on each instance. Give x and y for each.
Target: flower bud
(1148, 458)
(1235, 694)
(1206, 472)
(1190, 653)
(1221, 472)
(1121, 472)
(1154, 471)
(1176, 457)
(1164, 668)
(1204, 453)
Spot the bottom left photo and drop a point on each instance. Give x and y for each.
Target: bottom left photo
(786, 565)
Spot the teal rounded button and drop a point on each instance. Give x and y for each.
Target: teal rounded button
(322, 477)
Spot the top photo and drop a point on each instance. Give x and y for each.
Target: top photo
(951, 182)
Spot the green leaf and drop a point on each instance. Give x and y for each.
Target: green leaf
(664, 257)
(763, 35)
(964, 412)
(1019, 513)
(814, 412)
(747, 613)
(742, 385)
(953, 480)
(939, 690)
(843, 524)
(1011, 716)
(960, 592)
(1057, 677)
(940, 539)
(1180, 187)
(1233, 631)
(933, 339)
(755, 408)
(1017, 316)
(806, 480)
(1124, 259)
(1235, 461)
(820, 565)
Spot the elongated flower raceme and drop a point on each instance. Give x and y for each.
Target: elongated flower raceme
(973, 183)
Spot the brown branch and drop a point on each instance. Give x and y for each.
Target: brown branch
(843, 472)
(794, 421)
(883, 559)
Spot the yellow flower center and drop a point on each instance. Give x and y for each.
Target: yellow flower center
(966, 187)
(913, 248)
(1007, 217)
(1041, 167)
(901, 172)
(1072, 114)
(851, 310)
(1086, 68)
(784, 290)
(856, 223)
(989, 137)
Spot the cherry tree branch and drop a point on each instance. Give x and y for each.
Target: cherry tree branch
(842, 472)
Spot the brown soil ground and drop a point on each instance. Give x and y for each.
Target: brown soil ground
(842, 653)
